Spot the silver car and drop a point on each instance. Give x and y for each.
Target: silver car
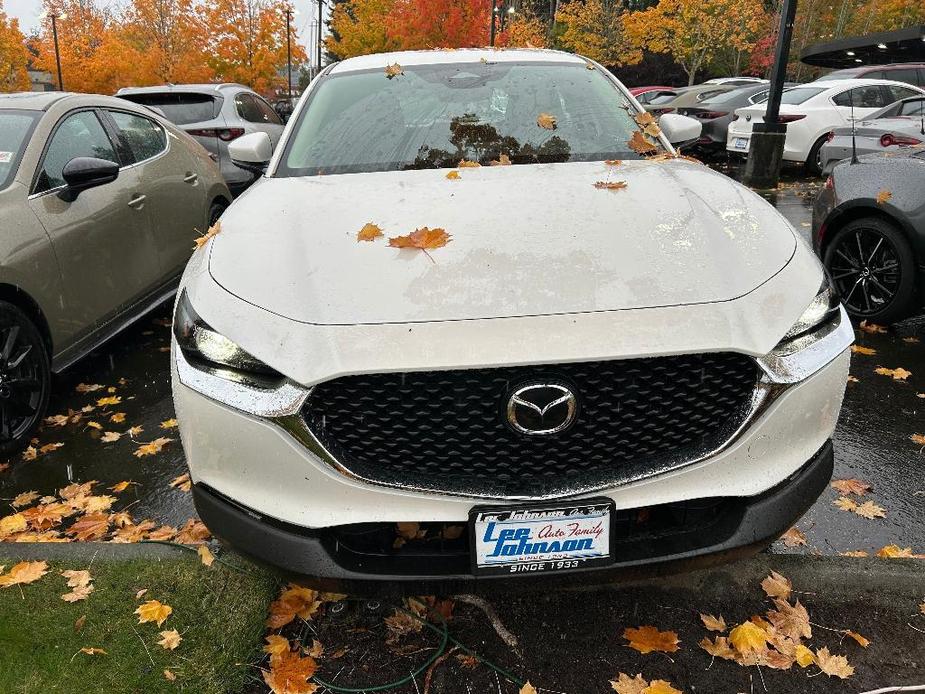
(101, 202)
(901, 124)
(214, 114)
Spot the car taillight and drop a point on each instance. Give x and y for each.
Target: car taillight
(710, 115)
(830, 136)
(829, 183)
(223, 134)
(790, 117)
(888, 140)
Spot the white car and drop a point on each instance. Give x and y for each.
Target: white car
(812, 111)
(584, 375)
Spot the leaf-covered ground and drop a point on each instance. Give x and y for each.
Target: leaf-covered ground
(218, 612)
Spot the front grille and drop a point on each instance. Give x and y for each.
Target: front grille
(447, 430)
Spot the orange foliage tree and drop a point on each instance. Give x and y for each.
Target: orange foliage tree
(94, 56)
(169, 40)
(359, 27)
(415, 24)
(13, 56)
(694, 32)
(247, 42)
(526, 30)
(595, 29)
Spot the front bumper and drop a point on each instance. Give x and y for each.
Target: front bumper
(738, 527)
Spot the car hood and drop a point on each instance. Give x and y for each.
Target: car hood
(525, 240)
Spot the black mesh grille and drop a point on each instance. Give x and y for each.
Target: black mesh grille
(447, 430)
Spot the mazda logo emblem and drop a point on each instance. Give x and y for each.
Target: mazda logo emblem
(540, 409)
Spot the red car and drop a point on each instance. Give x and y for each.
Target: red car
(644, 94)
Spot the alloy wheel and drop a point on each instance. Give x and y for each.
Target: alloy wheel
(865, 269)
(22, 384)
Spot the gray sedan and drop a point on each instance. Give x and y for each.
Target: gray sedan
(901, 124)
(101, 202)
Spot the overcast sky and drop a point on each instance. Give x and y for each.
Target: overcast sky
(27, 11)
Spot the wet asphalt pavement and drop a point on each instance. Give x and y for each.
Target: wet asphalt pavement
(872, 440)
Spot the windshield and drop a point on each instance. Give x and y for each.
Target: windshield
(434, 116)
(180, 108)
(15, 127)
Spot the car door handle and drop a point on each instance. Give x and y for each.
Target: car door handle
(137, 201)
(190, 178)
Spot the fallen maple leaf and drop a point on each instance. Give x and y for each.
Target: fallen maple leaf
(93, 651)
(527, 689)
(547, 121)
(79, 582)
(50, 447)
(88, 387)
(316, 651)
(922, 607)
(648, 639)
(851, 486)
(833, 665)
(117, 418)
(610, 185)
(660, 687)
(109, 400)
(852, 379)
(24, 572)
(502, 160)
(792, 621)
(857, 637)
(453, 175)
(194, 532)
(918, 439)
(293, 601)
(152, 447)
(854, 553)
(182, 482)
(170, 639)
(153, 611)
(95, 425)
(719, 648)
(202, 240)
(276, 644)
(624, 684)
(168, 675)
(466, 164)
(29, 453)
(793, 538)
(120, 486)
(872, 328)
(424, 239)
(205, 555)
(845, 504)
(748, 637)
(393, 70)
(883, 196)
(24, 499)
(169, 424)
(289, 673)
(777, 586)
(895, 552)
(713, 623)
(134, 431)
(91, 526)
(870, 510)
(898, 374)
(859, 349)
(640, 144)
(15, 523)
(57, 420)
(369, 232)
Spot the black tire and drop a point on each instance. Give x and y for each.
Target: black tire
(215, 211)
(25, 378)
(873, 270)
(813, 165)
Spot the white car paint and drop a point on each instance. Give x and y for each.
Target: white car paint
(682, 260)
(821, 116)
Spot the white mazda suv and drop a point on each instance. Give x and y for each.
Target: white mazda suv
(478, 320)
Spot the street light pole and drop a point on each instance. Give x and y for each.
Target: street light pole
(320, 31)
(289, 53)
(54, 33)
(766, 148)
(494, 11)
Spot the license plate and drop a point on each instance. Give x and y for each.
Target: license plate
(537, 538)
(740, 143)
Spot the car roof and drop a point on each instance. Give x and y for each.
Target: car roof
(460, 55)
(32, 101)
(181, 88)
(854, 82)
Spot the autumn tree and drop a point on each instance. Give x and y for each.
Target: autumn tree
(416, 24)
(595, 29)
(94, 56)
(13, 56)
(525, 30)
(694, 32)
(358, 27)
(886, 15)
(247, 41)
(169, 39)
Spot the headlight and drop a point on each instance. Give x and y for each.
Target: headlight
(201, 343)
(823, 308)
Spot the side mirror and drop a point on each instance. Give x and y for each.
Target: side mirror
(82, 173)
(680, 129)
(251, 152)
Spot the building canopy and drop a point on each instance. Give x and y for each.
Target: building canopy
(899, 46)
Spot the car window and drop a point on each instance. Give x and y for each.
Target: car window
(896, 93)
(905, 74)
(78, 135)
(433, 116)
(869, 96)
(912, 108)
(759, 97)
(15, 127)
(661, 97)
(141, 136)
(179, 108)
(254, 110)
(796, 95)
